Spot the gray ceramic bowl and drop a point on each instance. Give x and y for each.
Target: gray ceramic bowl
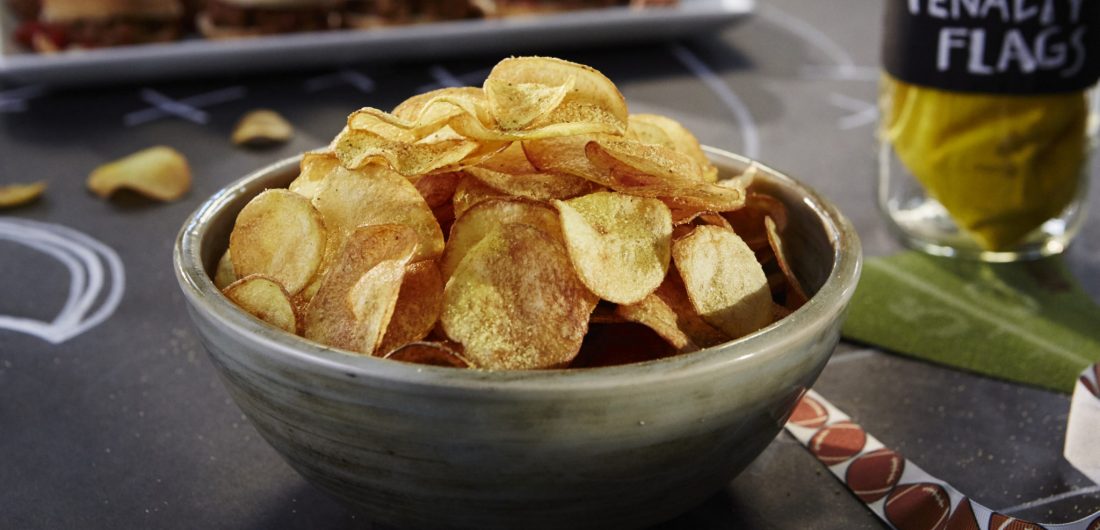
(428, 447)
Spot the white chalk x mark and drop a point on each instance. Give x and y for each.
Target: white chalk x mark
(346, 76)
(94, 269)
(15, 100)
(862, 112)
(189, 108)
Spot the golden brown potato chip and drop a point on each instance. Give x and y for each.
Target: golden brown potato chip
(12, 195)
(516, 105)
(262, 127)
(673, 294)
(429, 353)
(357, 149)
(471, 191)
(375, 195)
(315, 167)
(510, 172)
(438, 188)
(419, 303)
(484, 217)
(593, 100)
(280, 235)
(618, 243)
(566, 155)
(159, 173)
(265, 299)
(653, 171)
(667, 132)
(224, 275)
(515, 302)
(796, 296)
(748, 221)
(605, 313)
(724, 282)
(358, 294)
(655, 314)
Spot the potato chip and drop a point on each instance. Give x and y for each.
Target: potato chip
(664, 131)
(12, 195)
(748, 221)
(429, 353)
(515, 302)
(723, 280)
(358, 294)
(655, 314)
(224, 274)
(159, 173)
(314, 168)
(593, 101)
(262, 127)
(419, 303)
(516, 105)
(565, 155)
(375, 195)
(653, 171)
(618, 243)
(470, 191)
(439, 106)
(264, 298)
(438, 188)
(357, 149)
(510, 171)
(485, 216)
(280, 235)
(796, 296)
(673, 293)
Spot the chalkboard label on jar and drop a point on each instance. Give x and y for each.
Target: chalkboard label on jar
(994, 46)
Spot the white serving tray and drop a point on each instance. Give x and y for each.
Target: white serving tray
(197, 57)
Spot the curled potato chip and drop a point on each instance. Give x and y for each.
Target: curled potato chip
(667, 132)
(724, 282)
(280, 235)
(359, 293)
(593, 99)
(224, 274)
(515, 302)
(516, 105)
(12, 195)
(262, 127)
(159, 173)
(655, 314)
(565, 155)
(314, 168)
(510, 172)
(357, 149)
(796, 296)
(654, 171)
(618, 243)
(419, 303)
(484, 217)
(748, 221)
(673, 293)
(264, 298)
(375, 195)
(429, 353)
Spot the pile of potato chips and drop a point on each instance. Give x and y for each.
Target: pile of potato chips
(530, 223)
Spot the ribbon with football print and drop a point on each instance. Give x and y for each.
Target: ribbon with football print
(907, 497)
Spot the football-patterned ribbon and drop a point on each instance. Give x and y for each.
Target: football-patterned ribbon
(907, 497)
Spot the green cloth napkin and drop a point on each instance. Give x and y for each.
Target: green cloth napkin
(1028, 322)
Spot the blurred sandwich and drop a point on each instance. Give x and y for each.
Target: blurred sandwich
(98, 23)
(222, 19)
(24, 9)
(375, 13)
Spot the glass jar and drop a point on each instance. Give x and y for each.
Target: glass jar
(988, 124)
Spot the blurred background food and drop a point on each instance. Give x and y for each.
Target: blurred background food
(49, 26)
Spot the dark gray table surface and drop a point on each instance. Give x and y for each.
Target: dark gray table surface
(127, 426)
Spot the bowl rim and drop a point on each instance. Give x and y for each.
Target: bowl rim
(295, 351)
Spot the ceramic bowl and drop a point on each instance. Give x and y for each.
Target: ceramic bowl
(614, 447)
